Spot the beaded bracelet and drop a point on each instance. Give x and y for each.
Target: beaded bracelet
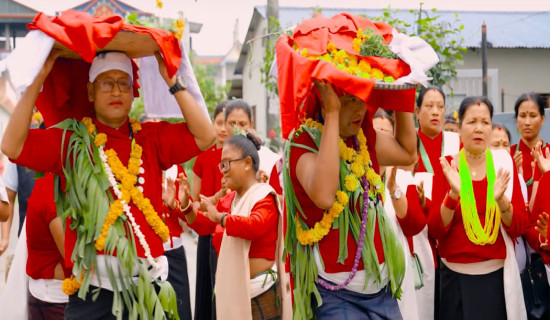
(221, 220)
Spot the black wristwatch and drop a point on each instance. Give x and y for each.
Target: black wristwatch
(179, 85)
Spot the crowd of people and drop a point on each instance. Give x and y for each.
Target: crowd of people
(363, 216)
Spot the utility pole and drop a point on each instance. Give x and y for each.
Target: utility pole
(484, 57)
(272, 109)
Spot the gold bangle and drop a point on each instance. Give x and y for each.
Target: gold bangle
(186, 208)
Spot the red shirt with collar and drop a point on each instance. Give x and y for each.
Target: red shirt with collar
(260, 227)
(43, 254)
(328, 246)
(453, 243)
(43, 152)
(528, 171)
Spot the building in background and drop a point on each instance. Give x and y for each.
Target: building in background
(518, 55)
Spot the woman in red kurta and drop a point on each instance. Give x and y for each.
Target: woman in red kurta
(207, 180)
(239, 164)
(474, 263)
(529, 111)
(45, 246)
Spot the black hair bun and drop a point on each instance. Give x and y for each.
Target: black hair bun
(255, 140)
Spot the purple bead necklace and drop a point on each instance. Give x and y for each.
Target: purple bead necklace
(353, 272)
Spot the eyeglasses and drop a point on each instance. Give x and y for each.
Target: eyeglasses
(225, 165)
(107, 85)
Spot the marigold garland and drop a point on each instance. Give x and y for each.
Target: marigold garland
(128, 177)
(360, 164)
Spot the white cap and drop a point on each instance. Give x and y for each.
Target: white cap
(110, 61)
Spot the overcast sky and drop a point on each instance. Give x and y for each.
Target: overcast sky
(218, 16)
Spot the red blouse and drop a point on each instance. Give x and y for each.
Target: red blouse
(43, 254)
(540, 205)
(260, 227)
(453, 243)
(42, 152)
(528, 172)
(415, 220)
(206, 168)
(330, 244)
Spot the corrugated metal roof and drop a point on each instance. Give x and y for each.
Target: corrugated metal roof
(504, 29)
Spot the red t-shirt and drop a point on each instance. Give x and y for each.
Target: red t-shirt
(260, 227)
(330, 244)
(43, 254)
(206, 168)
(528, 172)
(453, 243)
(43, 152)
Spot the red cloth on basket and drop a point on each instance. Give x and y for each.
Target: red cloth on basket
(296, 73)
(64, 94)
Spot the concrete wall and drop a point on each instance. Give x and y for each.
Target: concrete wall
(519, 71)
(254, 91)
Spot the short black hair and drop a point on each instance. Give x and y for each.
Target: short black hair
(249, 146)
(470, 101)
(538, 100)
(423, 92)
(238, 104)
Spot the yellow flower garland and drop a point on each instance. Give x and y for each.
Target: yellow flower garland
(128, 178)
(360, 164)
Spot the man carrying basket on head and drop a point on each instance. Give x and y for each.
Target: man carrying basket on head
(108, 167)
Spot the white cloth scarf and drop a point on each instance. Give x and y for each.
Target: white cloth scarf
(233, 272)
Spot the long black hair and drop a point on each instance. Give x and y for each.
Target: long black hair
(425, 90)
(238, 104)
(249, 146)
(538, 100)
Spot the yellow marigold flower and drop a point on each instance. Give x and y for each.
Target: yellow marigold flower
(357, 169)
(352, 60)
(135, 124)
(159, 4)
(342, 197)
(331, 48)
(179, 23)
(346, 153)
(359, 33)
(364, 66)
(70, 286)
(356, 45)
(100, 243)
(303, 52)
(37, 116)
(377, 74)
(100, 139)
(351, 183)
(340, 56)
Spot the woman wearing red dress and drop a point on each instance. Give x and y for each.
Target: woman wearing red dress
(529, 111)
(249, 215)
(476, 212)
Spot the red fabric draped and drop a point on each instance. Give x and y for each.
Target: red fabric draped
(296, 73)
(64, 94)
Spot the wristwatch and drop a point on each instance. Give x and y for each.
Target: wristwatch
(397, 194)
(179, 85)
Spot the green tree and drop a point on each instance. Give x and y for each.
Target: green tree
(444, 36)
(212, 93)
